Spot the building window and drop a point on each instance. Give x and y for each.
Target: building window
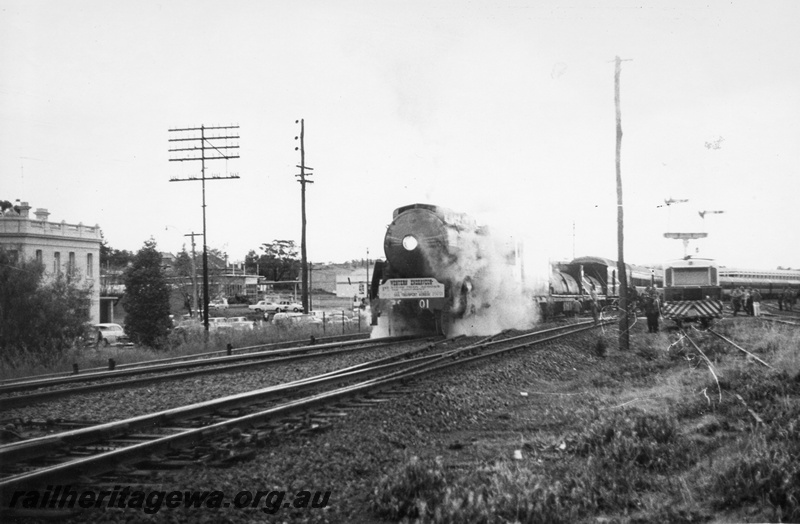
(39, 256)
(71, 264)
(56, 262)
(89, 266)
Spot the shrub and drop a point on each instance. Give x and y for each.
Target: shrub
(414, 492)
(769, 474)
(40, 315)
(422, 490)
(649, 441)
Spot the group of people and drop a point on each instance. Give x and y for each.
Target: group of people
(648, 301)
(747, 300)
(787, 299)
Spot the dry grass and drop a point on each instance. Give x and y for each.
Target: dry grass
(178, 345)
(663, 440)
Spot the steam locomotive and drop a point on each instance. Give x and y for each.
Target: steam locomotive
(436, 264)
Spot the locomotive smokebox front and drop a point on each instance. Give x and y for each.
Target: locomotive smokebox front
(415, 242)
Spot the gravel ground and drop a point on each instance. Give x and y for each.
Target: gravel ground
(459, 414)
(106, 406)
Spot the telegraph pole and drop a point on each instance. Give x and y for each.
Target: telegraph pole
(302, 176)
(218, 148)
(194, 272)
(624, 321)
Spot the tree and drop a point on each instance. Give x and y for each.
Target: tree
(185, 277)
(278, 262)
(39, 314)
(146, 299)
(111, 258)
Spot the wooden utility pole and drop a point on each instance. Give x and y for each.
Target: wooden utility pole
(302, 176)
(624, 320)
(198, 145)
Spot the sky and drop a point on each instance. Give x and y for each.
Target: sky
(503, 110)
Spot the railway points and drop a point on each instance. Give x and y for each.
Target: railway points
(419, 364)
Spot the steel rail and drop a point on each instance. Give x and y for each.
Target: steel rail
(780, 321)
(109, 460)
(195, 356)
(17, 451)
(41, 396)
(39, 383)
(732, 343)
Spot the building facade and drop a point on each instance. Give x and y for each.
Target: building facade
(61, 247)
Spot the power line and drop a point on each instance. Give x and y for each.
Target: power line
(217, 151)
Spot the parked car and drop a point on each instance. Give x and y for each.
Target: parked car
(215, 323)
(337, 317)
(287, 305)
(195, 325)
(240, 323)
(266, 306)
(220, 303)
(295, 319)
(108, 334)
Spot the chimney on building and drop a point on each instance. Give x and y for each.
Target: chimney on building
(42, 214)
(24, 208)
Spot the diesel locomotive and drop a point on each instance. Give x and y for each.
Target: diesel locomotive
(692, 291)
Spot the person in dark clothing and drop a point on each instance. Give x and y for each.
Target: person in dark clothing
(652, 310)
(595, 306)
(788, 299)
(736, 300)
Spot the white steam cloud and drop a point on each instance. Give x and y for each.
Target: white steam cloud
(497, 298)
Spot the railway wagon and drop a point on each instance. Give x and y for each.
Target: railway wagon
(770, 283)
(691, 291)
(433, 263)
(572, 283)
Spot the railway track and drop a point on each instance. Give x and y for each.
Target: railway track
(248, 418)
(196, 356)
(27, 392)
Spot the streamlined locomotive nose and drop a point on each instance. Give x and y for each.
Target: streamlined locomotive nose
(413, 241)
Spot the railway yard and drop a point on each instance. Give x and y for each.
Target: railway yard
(549, 425)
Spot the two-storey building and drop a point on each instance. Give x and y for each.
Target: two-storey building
(61, 247)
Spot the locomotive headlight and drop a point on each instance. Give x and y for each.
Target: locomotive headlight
(410, 243)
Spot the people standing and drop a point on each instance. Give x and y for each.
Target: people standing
(652, 309)
(788, 299)
(747, 301)
(595, 306)
(756, 296)
(736, 300)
